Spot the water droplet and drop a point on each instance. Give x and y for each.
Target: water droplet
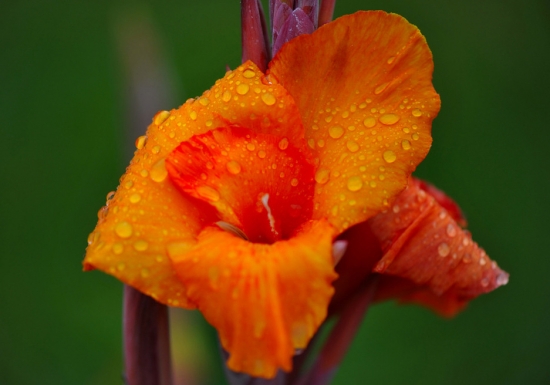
(135, 198)
(160, 117)
(118, 248)
(250, 146)
(193, 115)
(209, 193)
(204, 101)
(443, 249)
(242, 89)
(233, 167)
(451, 230)
(416, 113)
(226, 96)
(369, 122)
(144, 173)
(485, 282)
(389, 119)
(395, 209)
(406, 145)
(294, 182)
(391, 59)
(502, 279)
(482, 261)
(159, 172)
(355, 183)
(335, 132)
(406, 130)
(155, 150)
(378, 90)
(208, 123)
(389, 156)
(283, 144)
(128, 184)
(123, 230)
(261, 154)
(249, 74)
(415, 136)
(268, 99)
(352, 146)
(141, 245)
(322, 176)
(140, 142)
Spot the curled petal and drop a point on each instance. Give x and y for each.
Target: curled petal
(264, 300)
(423, 244)
(363, 87)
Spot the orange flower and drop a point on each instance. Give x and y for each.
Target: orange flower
(231, 202)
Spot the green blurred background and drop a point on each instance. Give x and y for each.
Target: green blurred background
(63, 82)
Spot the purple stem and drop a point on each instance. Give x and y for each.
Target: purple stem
(341, 336)
(254, 40)
(146, 340)
(326, 12)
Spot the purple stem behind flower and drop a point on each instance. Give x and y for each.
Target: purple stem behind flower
(341, 336)
(146, 340)
(326, 12)
(254, 39)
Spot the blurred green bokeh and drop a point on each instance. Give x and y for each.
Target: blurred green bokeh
(61, 102)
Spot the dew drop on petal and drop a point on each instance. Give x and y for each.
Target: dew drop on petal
(141, 245)
(369, 122)
(242, 89)
(352, 146)
(451, 230)
(124, 230)
(268, 99)
(161, 117)
(159, 172)
(233, 167)
(261, 154)
(389, 119)
(283, 144)
(443, 249)
(378, 90)
(294, 182)
(322, 176)
(193, 115)
(208, 193)
(406, 145)
(416, 113)
(250, 147)
(389, 156)
(249, 74)
(226, 96)
(155, 150)
(335, 132)
(415, 136)
(140, 142)
(135, 198)
(118, 248)
(354, 183)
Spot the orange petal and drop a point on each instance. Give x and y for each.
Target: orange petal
(363, 87)
(148, 213)
(261, 183)
(423, 243)
(264, 300)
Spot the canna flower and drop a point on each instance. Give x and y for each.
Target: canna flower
(232, 202)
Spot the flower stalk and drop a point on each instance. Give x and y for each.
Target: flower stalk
(146, 340)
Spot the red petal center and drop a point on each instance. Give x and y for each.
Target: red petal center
(261, 183)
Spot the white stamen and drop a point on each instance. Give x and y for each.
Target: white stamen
(338, 250)
(265, 200)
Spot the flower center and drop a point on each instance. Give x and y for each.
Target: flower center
(260, 184)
